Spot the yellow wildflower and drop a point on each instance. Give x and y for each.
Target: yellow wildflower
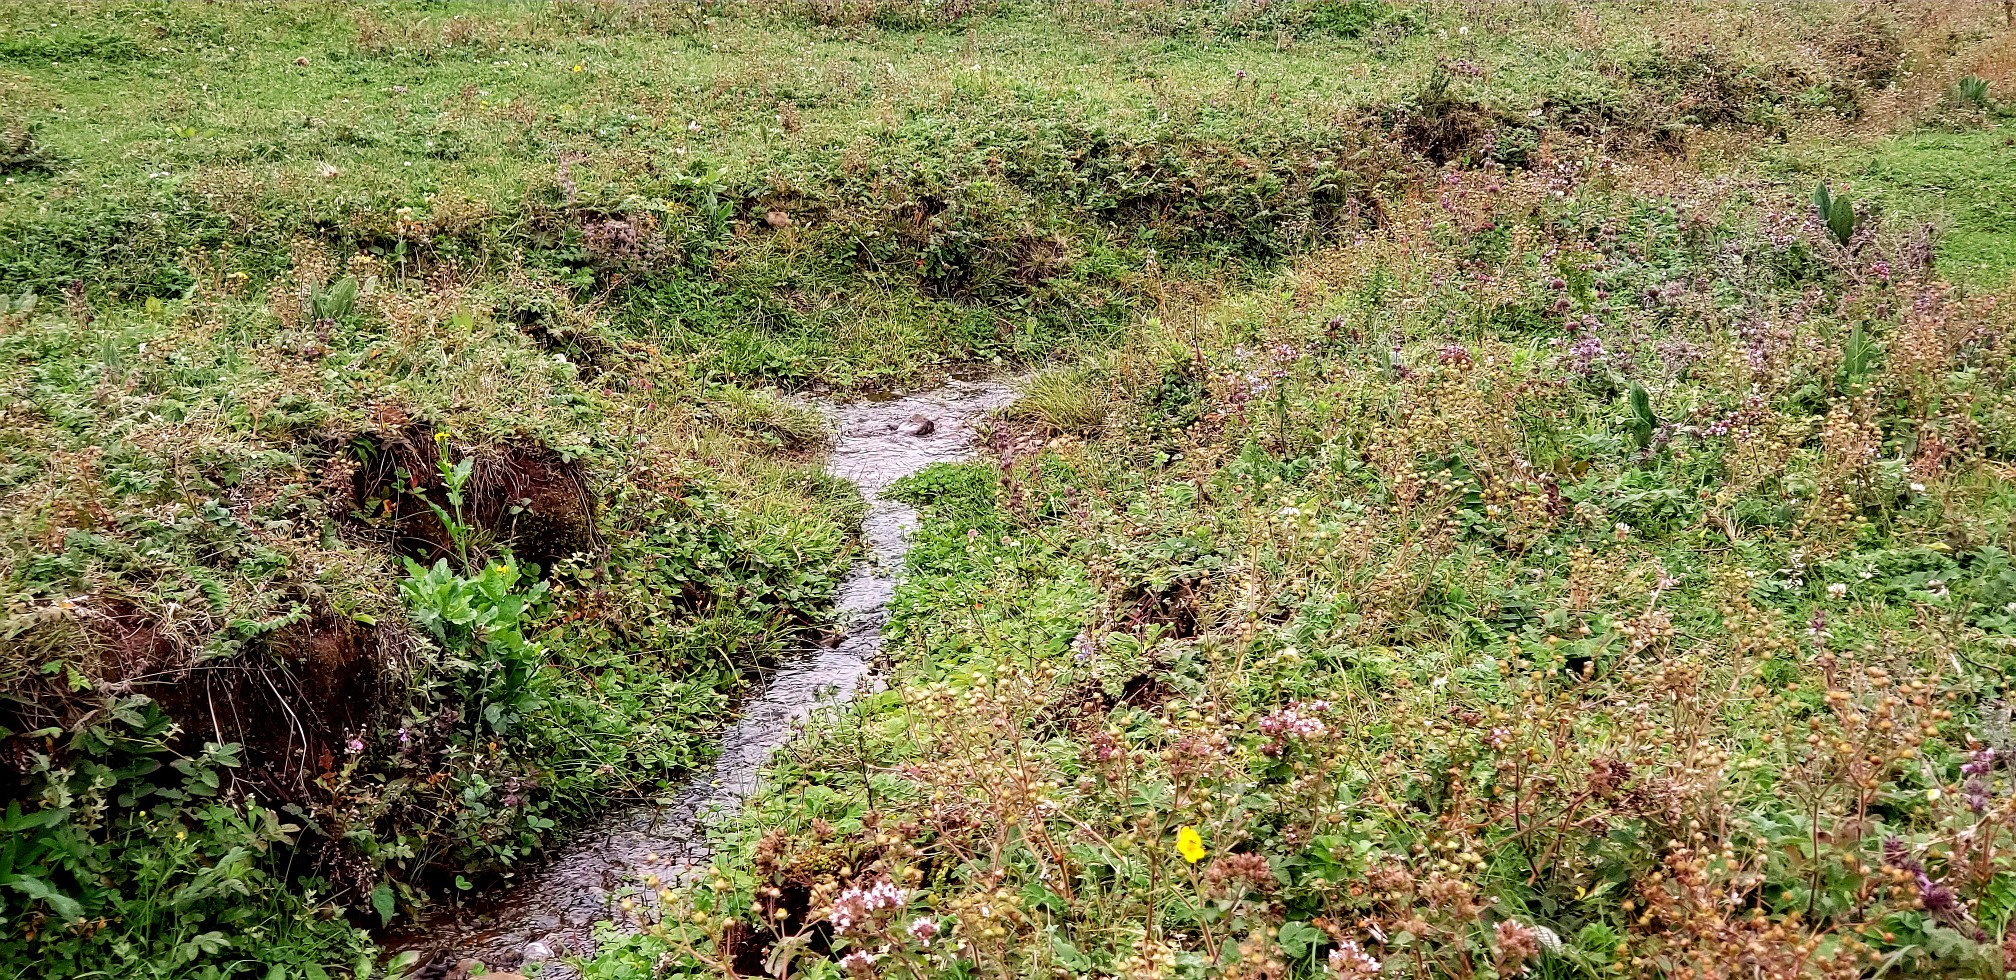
(1190, 845)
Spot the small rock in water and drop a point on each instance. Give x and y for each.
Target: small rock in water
(537, 952)
(919, 425)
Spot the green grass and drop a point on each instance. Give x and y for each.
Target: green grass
(1064, 401)
(955, 194)
(1448, 646)
(1248, 254)
(1959, 181)
(182, 530)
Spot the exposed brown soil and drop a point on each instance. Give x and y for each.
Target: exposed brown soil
(290, 698)
(1082, 708)
(522, 496)
(1172, 607)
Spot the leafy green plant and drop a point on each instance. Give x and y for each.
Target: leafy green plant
(1972, 90)
(455, 476)
(21, 305)
(477, 621)
(131, 858)
(1644, 421)
(1836, 213)
(334, 303)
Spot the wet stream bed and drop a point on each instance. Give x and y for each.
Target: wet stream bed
(551, 913)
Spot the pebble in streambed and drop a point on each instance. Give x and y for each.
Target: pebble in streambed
(552, 913)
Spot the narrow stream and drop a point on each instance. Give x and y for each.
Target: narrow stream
(552, 913)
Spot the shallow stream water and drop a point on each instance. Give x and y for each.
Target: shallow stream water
(552, 912)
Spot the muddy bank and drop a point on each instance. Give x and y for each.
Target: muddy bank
(552, 913)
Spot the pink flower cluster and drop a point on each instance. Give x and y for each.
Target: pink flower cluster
(856, 905)
(1294, 722)
(1349, 962)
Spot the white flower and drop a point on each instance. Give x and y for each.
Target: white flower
(856, 904)
(1350, 962)
(1838, 590)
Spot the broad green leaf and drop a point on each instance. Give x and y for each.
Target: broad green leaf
(62, 904)
(383, 902)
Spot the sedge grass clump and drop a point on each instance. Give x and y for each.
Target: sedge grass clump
(1973, 91)
(789, 425)
(1075, 401)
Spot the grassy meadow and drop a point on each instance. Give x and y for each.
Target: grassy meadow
(1498, 487)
